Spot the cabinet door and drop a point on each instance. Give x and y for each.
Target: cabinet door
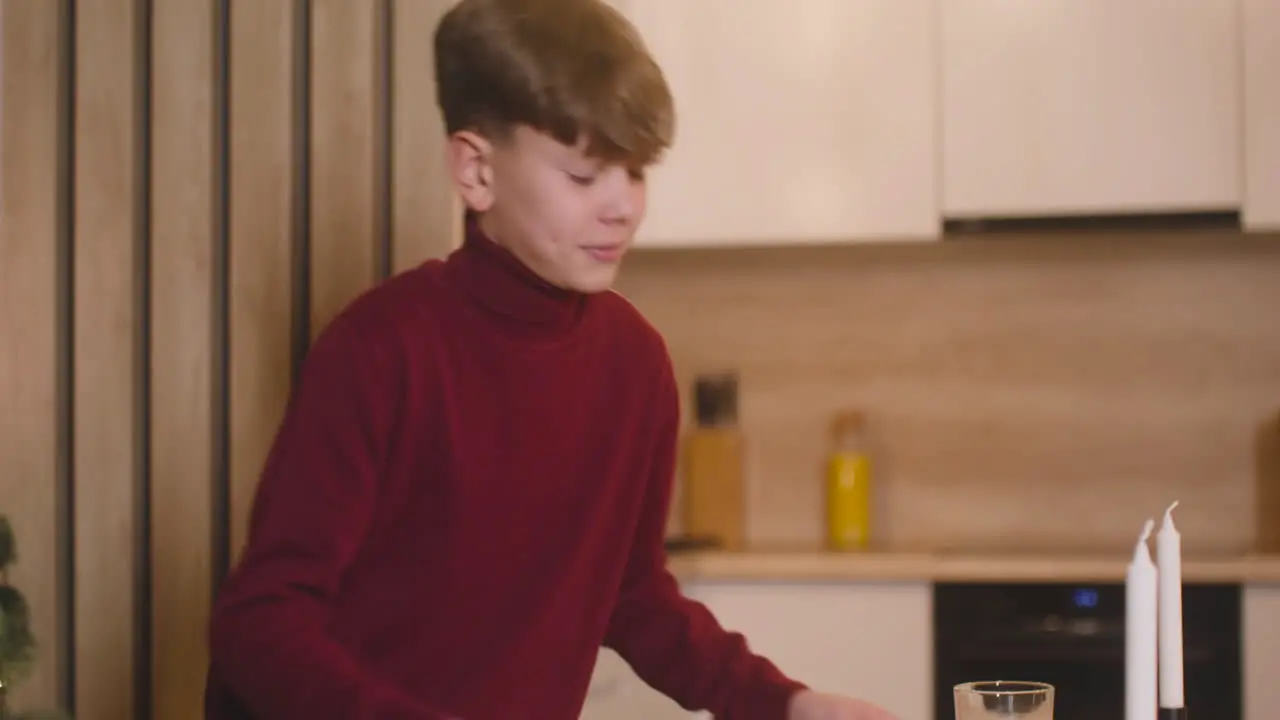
(1261, 630)
(1261, 28)
(868, 640)
(617, 693)
(800, 121)
(1060, 107)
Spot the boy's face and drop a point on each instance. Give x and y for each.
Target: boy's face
(567, 217)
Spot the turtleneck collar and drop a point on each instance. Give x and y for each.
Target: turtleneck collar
(493, 278)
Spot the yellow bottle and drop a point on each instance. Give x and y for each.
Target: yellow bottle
(849, 485)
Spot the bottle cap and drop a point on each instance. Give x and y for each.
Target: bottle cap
(715, 399)
(848, 422)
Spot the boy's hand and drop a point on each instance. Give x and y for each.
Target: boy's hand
(810, 705)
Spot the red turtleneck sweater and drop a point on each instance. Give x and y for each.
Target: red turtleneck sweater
(466, 499)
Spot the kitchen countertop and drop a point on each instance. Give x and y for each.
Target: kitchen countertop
(955, 566)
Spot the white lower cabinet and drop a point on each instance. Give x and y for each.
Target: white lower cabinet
(872, 640)
(1260, 627)
(618, 694)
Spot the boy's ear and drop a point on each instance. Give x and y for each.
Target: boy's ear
(470, 160)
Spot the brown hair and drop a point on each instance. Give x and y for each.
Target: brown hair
(576, 70)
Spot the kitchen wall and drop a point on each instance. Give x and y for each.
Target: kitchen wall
(167, 251)
(1032, 393)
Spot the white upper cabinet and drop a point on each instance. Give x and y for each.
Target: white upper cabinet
(1261, 27)
(799, 121)
(1060, 107)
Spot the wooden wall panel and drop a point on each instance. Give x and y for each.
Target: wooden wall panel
(28, 321)
(107, 342)
(215, 217)
(346, 52)
(184, 232)
(263, 193)
(426, 212)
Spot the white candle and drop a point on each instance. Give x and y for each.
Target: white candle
(1169, 563)
(1140, 654)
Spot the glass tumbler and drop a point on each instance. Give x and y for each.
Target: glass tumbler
(1006, 699)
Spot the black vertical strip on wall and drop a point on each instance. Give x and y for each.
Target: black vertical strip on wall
(142, 648)
(221, 471)
(65, 304)
(301, 281)
(384, 100)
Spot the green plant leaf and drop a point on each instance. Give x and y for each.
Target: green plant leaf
(8, 545)
(17, 644)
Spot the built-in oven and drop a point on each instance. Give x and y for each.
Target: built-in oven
(1072, 636)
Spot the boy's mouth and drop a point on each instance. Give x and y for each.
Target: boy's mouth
(606, 253)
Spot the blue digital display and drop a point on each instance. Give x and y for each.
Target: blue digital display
(1086, 598)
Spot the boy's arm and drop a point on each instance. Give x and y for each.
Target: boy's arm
(672, 642)
(268, 636)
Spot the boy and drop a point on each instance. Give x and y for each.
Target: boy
(468, 494)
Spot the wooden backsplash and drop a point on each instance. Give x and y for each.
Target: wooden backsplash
(1037, 393)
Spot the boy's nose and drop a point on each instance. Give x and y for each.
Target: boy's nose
(625, 198)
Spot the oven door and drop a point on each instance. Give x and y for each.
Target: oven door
(1072, 637)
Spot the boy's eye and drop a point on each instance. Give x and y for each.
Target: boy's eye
(583, 180)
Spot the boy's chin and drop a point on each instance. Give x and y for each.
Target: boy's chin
(593, 280)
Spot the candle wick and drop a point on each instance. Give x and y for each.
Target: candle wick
(1147, 527)
(1168, 514)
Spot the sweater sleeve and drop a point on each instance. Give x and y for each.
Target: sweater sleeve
(672, 642)
(268, 641)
